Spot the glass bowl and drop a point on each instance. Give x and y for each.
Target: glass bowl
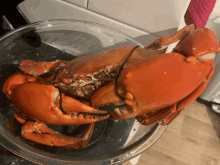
(112, 141)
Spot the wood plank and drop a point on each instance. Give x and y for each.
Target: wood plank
(148, 158)
(189, 140)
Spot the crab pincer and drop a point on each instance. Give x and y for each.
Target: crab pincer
(37, 105)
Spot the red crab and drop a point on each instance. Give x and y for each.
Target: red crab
(150, 85)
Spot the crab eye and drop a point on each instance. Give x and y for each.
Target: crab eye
(208, 56)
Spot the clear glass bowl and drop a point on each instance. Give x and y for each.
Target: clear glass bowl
(112, 141)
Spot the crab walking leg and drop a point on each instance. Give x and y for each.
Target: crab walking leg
(164, 41)
(167, 115)
(19, 118)
(35, 68)
(150, 119)
(15, 80)
(40, 133)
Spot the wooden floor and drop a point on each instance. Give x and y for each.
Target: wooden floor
(191, 139)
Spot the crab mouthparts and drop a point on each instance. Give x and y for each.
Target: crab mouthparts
(79, 115)
(118, 111)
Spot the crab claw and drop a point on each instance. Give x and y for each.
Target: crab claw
(122, 108)
(35, 68)
(152, 85)
(43, 103)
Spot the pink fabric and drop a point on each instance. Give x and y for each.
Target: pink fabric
(200, 11)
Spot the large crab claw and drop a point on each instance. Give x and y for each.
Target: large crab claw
(160, 87)
(43, 104)
(148, 87)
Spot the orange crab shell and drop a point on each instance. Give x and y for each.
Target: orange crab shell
(92, 64)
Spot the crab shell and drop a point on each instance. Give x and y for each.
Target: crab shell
(83, 76)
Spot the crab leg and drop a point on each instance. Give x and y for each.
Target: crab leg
(164, 41)
(150, 119)
(40, 133)
(15, 80)
(37, 68)
(168, 114)
(21, 119)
